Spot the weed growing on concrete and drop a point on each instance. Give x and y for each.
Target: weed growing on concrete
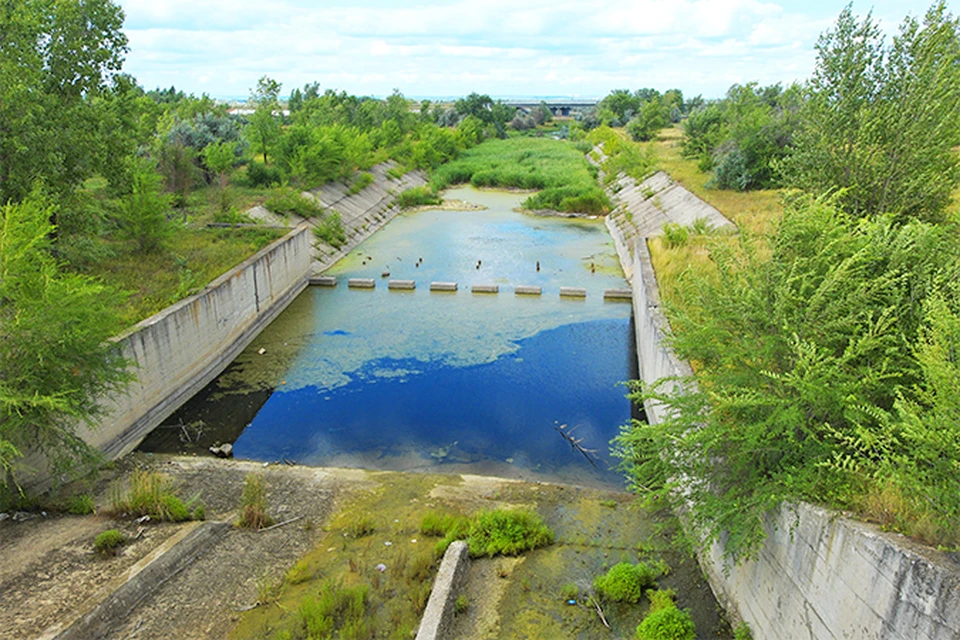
(80, 505)
(298, 573)
(626, 582)
(460, 605)
(108, 542)
(490, 533)
(742, 632)
(253, 503)
(569, 591)
(361, 527)
(336, 606)
(664, 621)
(150, 494)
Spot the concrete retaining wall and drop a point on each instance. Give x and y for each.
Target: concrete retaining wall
(437, 621)
(178, 351)
(819, 574)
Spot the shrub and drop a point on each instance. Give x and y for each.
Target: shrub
(253, 503)
(490, 533)
(668, 623)
(107, 543)
(80, 505)
(416, 196)
(287, 200)
(330, 229)
(625, 582)
(260, 175)
(150, 494)
(361, 182)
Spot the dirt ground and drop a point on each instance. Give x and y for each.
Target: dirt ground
(50, 573)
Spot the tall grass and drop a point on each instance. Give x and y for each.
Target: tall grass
(565, 181)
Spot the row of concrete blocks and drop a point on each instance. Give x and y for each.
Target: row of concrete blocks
(520, 290)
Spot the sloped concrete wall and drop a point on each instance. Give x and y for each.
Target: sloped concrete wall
(176, 352)
(819, 575)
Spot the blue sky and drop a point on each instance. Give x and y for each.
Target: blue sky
(503, 48)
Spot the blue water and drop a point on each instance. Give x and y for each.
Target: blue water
(455, 382)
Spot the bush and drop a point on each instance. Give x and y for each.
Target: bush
(287, 200)
(664, 621)
(417, 196)
(253, 503)
(151, 494)
(626, 582)
(675, 235)
(108, 542)
(330, 230)
(490, 533)
(361, 182)
(260, 175)
(80, 505)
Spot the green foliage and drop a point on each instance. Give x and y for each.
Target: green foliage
(150, 494)
(56, 65)
(460, 605)
(287, 200)
(650, 119)
(220, 157)
(361, 527)
(298, 573)
(253, 503)
(664, 621)
(337, 609)
(80, 505)
(675, 235)
(260, 175)
(569, 591)
(565, 179)
(143, 212)
(879, 122)
(361, 182)
(622, 155)
(264, 131)
(742, 632)
(417, 196)
(55, 355)
(107, 542)
(804, 359)
(625, 582)
(489, 533)
(508, 533)
(330, 229)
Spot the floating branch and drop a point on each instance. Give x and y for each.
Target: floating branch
(576, 443)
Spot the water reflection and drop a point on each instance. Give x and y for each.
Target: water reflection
(460, 381)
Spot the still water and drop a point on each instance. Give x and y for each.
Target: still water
(455, 382)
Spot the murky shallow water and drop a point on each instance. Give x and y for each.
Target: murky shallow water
(456, 382)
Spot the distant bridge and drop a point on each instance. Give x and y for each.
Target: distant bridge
(558, 107)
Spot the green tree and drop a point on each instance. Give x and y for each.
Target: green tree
(264, 128)
(879, 122)
(143, 212)
(56, 55)
(650, 119)
(56, 358)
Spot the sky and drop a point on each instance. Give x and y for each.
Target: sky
(503, 48)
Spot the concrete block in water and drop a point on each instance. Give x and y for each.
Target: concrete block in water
(323, 281)
(573, 292)
(443, 286)
(402, 285)
(485, 288)
(361, 283)
(618, 294)
(527, 290)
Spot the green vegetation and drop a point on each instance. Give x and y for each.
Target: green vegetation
(567, 182)
(253, 503)
(664, 621)
(81, 505)
(330, 229)
(622, 155)
(626, 582)
(108, 542)
(460, 605)
(286, 200)
(490, 533)
(819, 371)
(742, 632)
(337, 612)
(151, 494)
(418, 196)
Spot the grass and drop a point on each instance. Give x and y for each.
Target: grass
(108, 542)
(80, 505)
(253, 503)
(490, 533)
(417, 196)
(558, 170)
(150, 493)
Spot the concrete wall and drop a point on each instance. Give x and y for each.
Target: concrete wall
(437, 621)
(819, 574)
(176, 352)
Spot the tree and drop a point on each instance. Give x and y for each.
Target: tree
(55, 56)
(143, 212)
(650, 119)
(879, 122)
(264, 127)
(56, 358)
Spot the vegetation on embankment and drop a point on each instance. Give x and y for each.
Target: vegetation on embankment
(557, 169)
(825, 340)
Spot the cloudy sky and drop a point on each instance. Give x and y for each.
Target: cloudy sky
(505, 48)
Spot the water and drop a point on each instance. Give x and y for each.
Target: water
(456, 382)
